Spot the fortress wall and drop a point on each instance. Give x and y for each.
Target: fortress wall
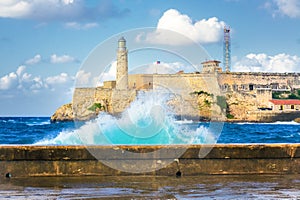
(272, 116)
(262, 97)
(104, 96)
(242, 78)
(114, 101)
(203, 81)
(242, 101)
(187, 82)
(140, 81)
(121, 99)
(83, 98)
(26, 161)
(186, 104)
(172, 82)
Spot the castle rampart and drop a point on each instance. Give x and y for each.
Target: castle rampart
(196, 95)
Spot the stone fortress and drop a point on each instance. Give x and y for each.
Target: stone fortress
(211, 94)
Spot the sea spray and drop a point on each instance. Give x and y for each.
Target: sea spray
(149, 120)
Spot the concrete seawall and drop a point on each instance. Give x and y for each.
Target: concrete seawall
(25, 161)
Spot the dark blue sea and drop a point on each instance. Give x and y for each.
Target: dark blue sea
(39, 130)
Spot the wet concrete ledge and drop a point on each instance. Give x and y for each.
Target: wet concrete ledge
(187, 160)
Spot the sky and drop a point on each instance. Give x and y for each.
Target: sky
(43, 44)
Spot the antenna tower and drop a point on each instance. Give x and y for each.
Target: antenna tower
(226, 50)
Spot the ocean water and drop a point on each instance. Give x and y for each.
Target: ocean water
(39, 130)
(149, 120)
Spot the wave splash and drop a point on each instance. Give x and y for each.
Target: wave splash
(147, 121)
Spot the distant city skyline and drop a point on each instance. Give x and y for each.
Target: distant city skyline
(43, 43)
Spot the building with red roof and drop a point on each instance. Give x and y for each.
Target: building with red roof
(285, 104)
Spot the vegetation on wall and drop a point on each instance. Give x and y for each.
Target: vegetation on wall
(229, 116)
(221, 101)
(207, 102)
(95, 106)
(286, 95)
(202, 92)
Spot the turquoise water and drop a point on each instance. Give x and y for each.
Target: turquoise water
(34, 130)
(148, 120)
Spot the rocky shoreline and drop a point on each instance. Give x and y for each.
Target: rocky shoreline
(65, 113)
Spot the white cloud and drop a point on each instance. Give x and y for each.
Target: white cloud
(37, 84)
(33, 95)
(61, 59)
(289, 8)
(265, 63)
(44, 10)
(109, 75)
(59, 79)
(36, 59)
(22, 81)
(80, 26)
(162, 68)
(82, 78)
(40, 9)
(54, 59)
(202, 31)
(68, 1)
(8, 81)
(21, 70)
(88, 79)
(14, 8)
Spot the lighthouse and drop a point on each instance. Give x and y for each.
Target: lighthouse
(122, 65)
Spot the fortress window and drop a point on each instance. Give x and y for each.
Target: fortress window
(225, 87)
(235, 87)
(281, 107)
(251, 87)
(292, 107)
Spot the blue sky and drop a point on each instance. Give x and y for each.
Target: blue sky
(43, 43)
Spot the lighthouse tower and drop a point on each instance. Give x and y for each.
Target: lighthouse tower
(122, 65)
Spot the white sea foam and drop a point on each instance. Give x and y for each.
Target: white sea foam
(38, 123)
(184, 121)
(148, 120)
(272, 123)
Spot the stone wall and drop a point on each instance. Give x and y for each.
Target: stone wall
(121, 99)
(271, 116)
(83, 98)
(186, 160)
(103, 96)
(243, 81)
(262, 97)
(112, 100)
(140, 81)
(245, 93)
